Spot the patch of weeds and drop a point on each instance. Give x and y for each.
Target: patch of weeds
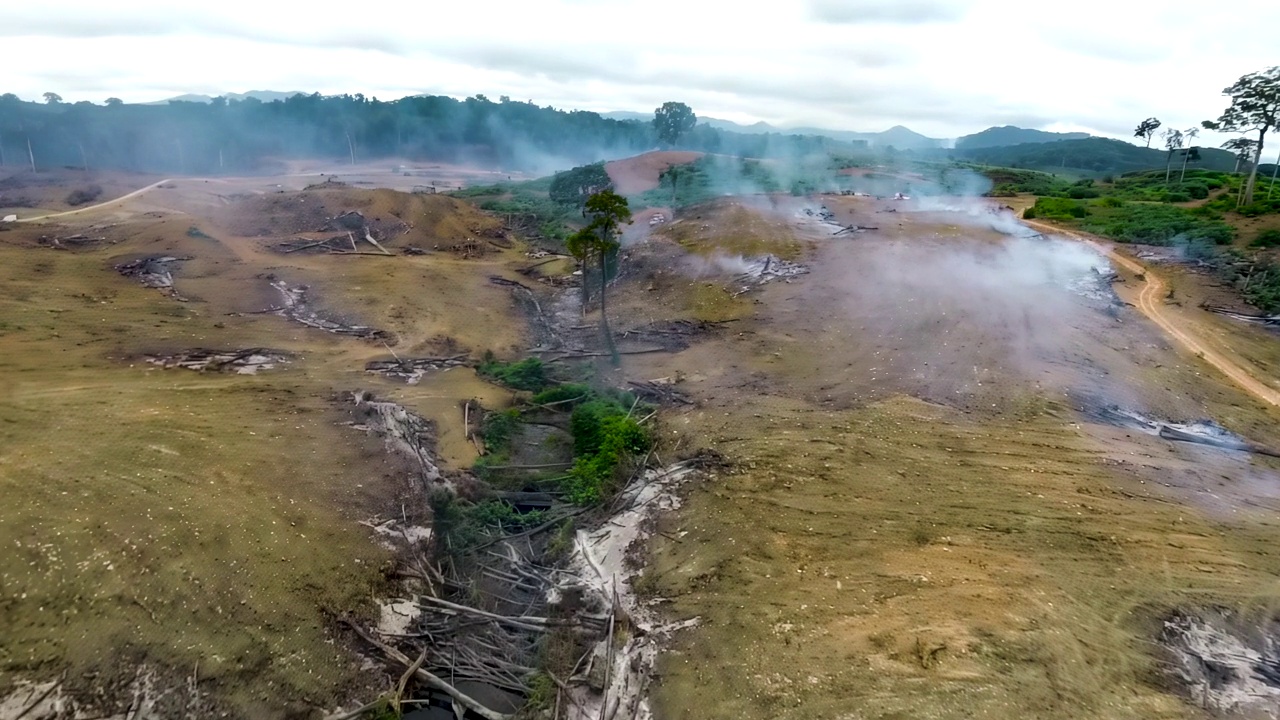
(528, 374)
(459, 525)
(604, 436)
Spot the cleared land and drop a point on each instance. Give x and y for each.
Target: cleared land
(207, 523)
(921, 517)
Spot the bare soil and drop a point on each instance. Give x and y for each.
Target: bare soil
(638, 174)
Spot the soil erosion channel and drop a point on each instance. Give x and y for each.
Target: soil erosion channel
(923, 520)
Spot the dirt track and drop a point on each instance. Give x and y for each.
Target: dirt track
(1150, 302)
(96, 206)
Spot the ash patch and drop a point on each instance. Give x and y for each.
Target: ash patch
(1200, 432)
(672, 336)
(757, 271)
(154, 271)
(1224, 662)
(412, 370)
(241, 362)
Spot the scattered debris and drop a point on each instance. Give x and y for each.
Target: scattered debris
(855, 229)
(1224, 662)
(1201, 432)
(296, 308)
(405, 433)
(411, 370)
(1267, 320)
(761, 270)
(660, 390)
(657, 219)
(412, 250)
(241, 362)
(154, 271)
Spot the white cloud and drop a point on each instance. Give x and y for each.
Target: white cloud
(942, 67)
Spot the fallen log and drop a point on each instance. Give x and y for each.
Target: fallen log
(429, 679)
(1171, 433)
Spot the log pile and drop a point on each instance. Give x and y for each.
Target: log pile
(412, 370)
(242, 362)
(1266, 320)
(765, 269)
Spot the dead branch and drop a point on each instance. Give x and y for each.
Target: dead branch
(429, 679)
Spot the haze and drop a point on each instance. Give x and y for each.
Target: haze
(944, 68)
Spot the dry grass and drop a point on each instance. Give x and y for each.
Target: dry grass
(179, 518)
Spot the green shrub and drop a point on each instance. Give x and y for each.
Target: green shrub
(1267, 238)
(1080, 193)
(604, 435)
(1052, 208)
(528, 374)
(1196, 190)
(1158, 224)
(498, 428)
(1177, 197)
(562, 394)
(573, 187)
(1111, 202)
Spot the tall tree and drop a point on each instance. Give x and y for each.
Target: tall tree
(1189, 134)
(1243, 149)
(672, 121)
(607, 212)
(1255, 107)
(52, 98)
(1147, 129)
(1172, 144)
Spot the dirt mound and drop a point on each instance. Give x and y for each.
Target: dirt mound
(395, 218)
(635, 175)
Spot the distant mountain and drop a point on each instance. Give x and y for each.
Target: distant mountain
(263, 95)
(898, 136)
(1092, 154)
(1010, 135)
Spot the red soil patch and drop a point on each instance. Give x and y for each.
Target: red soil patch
(635, 175)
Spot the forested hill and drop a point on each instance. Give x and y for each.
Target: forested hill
(1010, 135)
(239, 136)
(1093, 154)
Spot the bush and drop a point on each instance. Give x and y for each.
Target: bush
(83, 195)
(1198, 190)
(573, 187)
(604, 435)
(528, 374)
(1057, 209)
(1080, 193)
(1267, 238)
(1158, 224)
(1111, 202)
(1177, 197)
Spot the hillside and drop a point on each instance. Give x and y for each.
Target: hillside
(1011, 135)
(1094, 154)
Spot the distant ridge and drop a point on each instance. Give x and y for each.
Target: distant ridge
(263, 95)
(1011, 135)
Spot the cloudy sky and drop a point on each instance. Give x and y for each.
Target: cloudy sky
(941, 67)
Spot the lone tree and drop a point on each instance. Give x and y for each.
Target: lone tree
(1172, 144)
(114, 102)
(1147, 129)
(607, 212)
(1191, 153)
(673, 120)
(1255, 106)
(52, 98)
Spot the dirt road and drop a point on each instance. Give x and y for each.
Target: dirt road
(88, 208)
(1150, 303)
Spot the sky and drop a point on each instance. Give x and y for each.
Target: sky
(941, 67)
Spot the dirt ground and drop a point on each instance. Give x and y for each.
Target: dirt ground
(638, 174)
(207, 524)
(920, 522)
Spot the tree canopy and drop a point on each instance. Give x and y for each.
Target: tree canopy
(673, 121)
(1255, 107)
(1147, 129)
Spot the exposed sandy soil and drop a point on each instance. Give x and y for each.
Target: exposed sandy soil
(169, 518)
(635, 175)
